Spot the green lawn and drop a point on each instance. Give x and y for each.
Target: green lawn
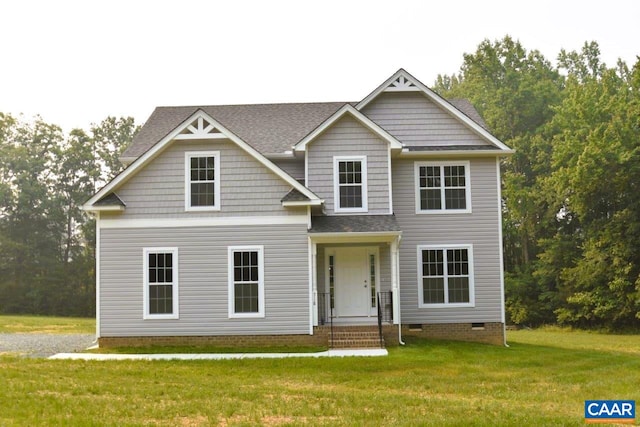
(47, 325)
(542, 379)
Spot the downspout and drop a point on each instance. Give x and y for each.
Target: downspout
(399, 305)
(504, 334)
(395, 267)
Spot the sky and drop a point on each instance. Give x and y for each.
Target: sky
(76, 62)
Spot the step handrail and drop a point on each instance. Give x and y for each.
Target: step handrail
(380, 320)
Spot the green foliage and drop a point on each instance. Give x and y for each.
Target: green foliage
(46, 240)
(571, 203)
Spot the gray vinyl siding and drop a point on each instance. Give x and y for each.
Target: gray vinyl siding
(247, 187)
(479, 228)
(347, 137)
(294, 167)
(203, 281)
(416, 121)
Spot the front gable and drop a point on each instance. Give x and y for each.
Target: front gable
(242, 185)
(417, 116)
(345, 111)
(345, 143)
(198, 133)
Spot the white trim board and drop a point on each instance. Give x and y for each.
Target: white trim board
(98, 272)
(204, 221)
(351, 237)
(449, 154)
(500, 243)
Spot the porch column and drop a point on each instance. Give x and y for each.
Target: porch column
(395, 281)
(314, 281)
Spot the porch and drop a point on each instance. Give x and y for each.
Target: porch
(354, 272)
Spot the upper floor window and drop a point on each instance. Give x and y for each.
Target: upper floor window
(445, 275)
(160, 283)
(202, 180)
(442, 187)
(350, 183)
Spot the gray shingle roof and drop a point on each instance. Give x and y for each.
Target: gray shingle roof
(465, 106)
(110, 199)
(269, 128)
(294, 196)
(354, 224)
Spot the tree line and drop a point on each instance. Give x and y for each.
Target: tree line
(571, 202)
(571, 196)
(47, 243)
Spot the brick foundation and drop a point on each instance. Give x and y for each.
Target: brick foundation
(318, 340)
(489, 333)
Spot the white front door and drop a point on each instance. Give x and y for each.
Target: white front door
(352, 287)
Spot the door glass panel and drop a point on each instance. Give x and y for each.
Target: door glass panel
(372, 278)
(331, 280)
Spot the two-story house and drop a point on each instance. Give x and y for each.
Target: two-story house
(257, 224)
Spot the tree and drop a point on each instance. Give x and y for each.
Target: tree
(594, 186)
(29, 218)
(47, 243)
(516, 91)
(110, 138)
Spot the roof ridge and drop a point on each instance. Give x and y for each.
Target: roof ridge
(255, 105)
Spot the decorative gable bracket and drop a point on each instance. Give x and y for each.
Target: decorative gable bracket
(402, 84)
(200, 128)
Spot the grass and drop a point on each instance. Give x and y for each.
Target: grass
(542, 379)
(47, 325)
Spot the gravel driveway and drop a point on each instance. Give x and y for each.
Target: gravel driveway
(44, 345)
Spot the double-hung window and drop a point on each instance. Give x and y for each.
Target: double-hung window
(160, 283)
(350, 183)
(442, 187)
(202, 180)
(246, 281)
(445, 276)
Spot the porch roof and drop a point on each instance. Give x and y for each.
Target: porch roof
(354, 224)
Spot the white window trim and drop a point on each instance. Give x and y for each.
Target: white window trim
(472, 299)
(443, 210)
(336, 184)
(187, 180)
(231, 289)
(145, 266)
